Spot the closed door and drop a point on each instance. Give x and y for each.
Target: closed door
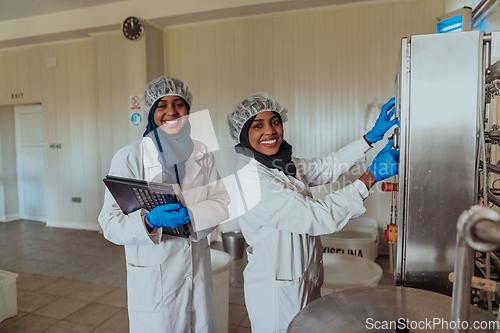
(30, 162)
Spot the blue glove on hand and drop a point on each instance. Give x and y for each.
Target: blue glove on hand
(169, 215)
(386, 163)
(383, 123)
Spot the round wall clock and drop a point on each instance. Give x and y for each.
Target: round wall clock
(133, 28)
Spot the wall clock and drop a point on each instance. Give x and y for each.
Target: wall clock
(133, 28)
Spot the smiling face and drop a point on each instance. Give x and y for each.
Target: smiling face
(266, 133)
(171, 114)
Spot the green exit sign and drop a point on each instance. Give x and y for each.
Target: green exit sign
(16, 96)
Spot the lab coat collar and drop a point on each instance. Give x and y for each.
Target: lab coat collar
(152, 165)
(297, 183)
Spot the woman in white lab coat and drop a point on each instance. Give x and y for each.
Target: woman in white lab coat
(169, 279)
(285, 269)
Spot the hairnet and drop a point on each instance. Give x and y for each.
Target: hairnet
(165, 86)
(249, 107)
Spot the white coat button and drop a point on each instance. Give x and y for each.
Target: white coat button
(186, 246)
(188, 278)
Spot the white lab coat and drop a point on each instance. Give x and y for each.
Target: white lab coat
(285, 266)
(169, 279)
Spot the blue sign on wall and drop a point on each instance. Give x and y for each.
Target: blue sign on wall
(136, 119)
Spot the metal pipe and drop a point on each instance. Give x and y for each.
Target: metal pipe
(464, 260)
(487, 38)
(489, 294)
(482, 10)
(485, 64)
(475, 10)
(481, 112)
(493, 168)
(494, 199)
(495, 191)
(493, 134)
(495, 262)
(477, 229)
(487, 231)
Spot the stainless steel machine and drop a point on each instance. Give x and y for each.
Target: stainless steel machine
(442, 97)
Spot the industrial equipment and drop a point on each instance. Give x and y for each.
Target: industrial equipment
(441, 86)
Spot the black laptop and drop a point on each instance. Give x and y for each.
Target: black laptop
(133, 194)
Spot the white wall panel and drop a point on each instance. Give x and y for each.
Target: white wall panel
(325, 65)
(75, 131)
(9, 203)
(11, 77)
(92, 193)
(121, 72)
(112, 74)
(119, 91)
(136, 78)
(172, 52)
(189, 60)
(207, 73)
(225, 72)
(62, 85)
(105, 117)
(244, 74)
(35, 75)
(22, 73)
(3, 81)
(50, 136)
(69, 107)
(154, 52)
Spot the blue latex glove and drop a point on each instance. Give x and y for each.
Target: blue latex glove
(169, 215)
(383, 123)
(386, 163)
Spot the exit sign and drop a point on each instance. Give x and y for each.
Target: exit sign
(16, 96)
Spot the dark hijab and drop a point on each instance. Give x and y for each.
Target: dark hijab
(174, 149)
(282, 160)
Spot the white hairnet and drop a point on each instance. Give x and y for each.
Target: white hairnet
(165, 86)
(249, 107)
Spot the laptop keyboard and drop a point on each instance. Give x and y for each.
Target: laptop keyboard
(150, 199)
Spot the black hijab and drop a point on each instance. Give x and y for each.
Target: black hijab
(282, 160)
(173, 149)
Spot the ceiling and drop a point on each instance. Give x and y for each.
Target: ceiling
(16, 9)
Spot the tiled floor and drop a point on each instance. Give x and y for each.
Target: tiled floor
(74, 281)
(30, 247)
(56, 304)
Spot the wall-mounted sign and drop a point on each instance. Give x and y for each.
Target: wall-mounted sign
(134, 102)
(134, 106)
(16, 96)
(136, 119)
